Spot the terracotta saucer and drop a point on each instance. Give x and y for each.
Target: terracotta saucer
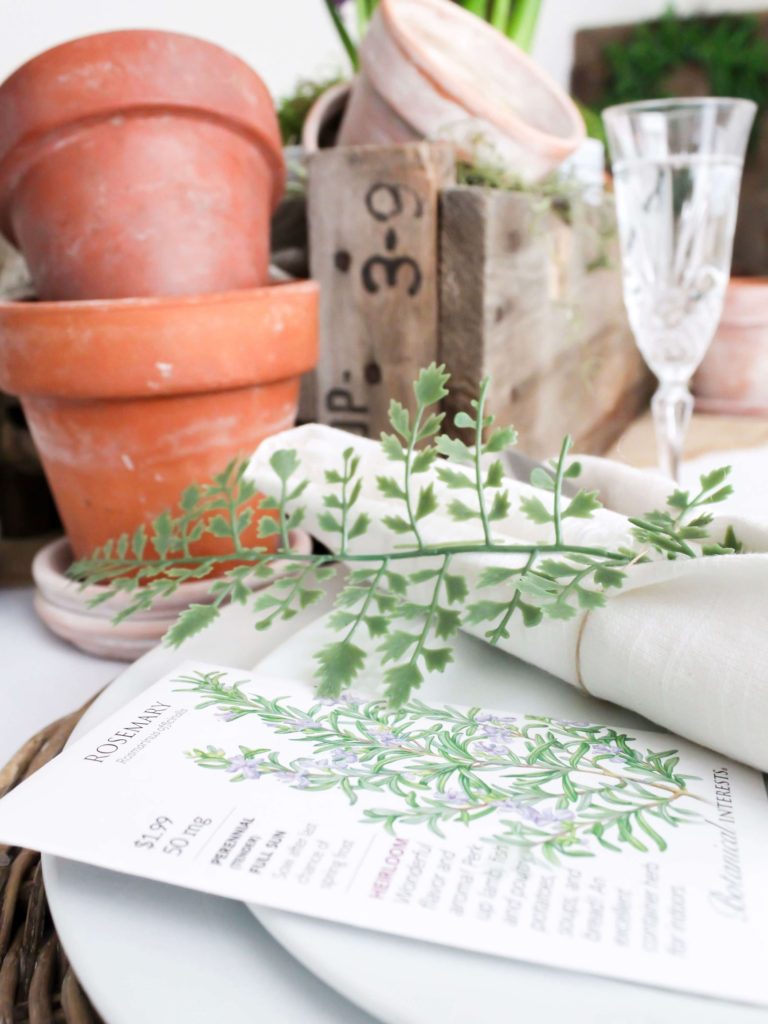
(63, 606)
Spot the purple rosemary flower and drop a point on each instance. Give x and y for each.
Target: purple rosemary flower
(227, 716)
(250, 767)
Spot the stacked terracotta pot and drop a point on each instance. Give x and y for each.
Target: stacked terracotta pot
(138, 174)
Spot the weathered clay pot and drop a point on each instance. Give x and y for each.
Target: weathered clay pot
(733, 378)
(430, 69)
(138, 163)
(129, 401)
(321, 125)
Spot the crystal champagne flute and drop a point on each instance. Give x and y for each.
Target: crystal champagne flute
(677, 171)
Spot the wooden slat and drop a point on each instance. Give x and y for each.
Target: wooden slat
(373, 247)
(530, 295)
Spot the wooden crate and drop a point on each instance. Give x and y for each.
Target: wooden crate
(530, 295)
(373, 216)
(413, 268)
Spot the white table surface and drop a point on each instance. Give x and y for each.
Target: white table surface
(41, 677)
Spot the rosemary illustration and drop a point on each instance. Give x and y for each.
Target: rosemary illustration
(556, 788)
(549, 580)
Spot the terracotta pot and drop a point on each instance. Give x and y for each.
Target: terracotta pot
(733, 378)
(430, 69)
(138, 163)
(129, 401)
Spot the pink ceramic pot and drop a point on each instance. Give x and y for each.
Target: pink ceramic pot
(139, 163)
(733, 378)
(430, 69)
(65, 607)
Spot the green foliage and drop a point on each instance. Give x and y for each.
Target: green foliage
(408, 601)
(728, 49)
(556, 788)
(292, 110)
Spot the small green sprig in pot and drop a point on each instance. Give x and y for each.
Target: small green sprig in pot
(377, 609)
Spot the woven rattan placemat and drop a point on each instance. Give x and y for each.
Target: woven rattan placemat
(37, 984)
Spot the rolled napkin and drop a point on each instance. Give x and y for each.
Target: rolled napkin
(684, 642)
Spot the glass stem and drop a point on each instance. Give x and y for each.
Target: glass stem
(672, 406)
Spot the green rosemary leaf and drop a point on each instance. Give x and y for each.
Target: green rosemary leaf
(427, 502)
(452, 478)
(709, 481)
(284, 462)
(401, 680)
(590, 598)
(608, 577)
(219, 526)
(390, 488)
(533, 509)
(189, 498)
(436, 659)
(679, 499)
(559, 610)
(397, 524)
(455, 588)
(139, 542)
(461, 512)
(422, 575)
(500, 506)
(464, 421)
(268, 527)
(399, 418)
(542, 479)
(423, 460)
(552, 567)
(430, 426)
(429, 387)
(483, 611)
(161, 537)
(191, 622)
(583, 505)
(494, 575)
(392, 448)
(718, 496)
(396, 645)
(360, 526)
(339, 664)
(378, 625)
(122, 546)
(398, 583)
(447, 623)
(328, 522)
(495, 475)
(452, 448)
(501, 438)
(532, 614)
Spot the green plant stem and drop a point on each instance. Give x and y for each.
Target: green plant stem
(431, 610)
(498, 632)
(436, 551)
(344, 510)
(368, 598)
(408, 476)
(521, 27)
(557, 513)
(344, 36)
(478, 460)
(500, 14)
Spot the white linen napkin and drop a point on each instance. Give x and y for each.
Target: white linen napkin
(684, 643)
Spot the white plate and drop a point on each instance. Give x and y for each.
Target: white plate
(148, 953)
(402, 981)
(199, 959)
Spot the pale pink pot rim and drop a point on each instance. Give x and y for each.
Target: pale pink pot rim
(556, 146)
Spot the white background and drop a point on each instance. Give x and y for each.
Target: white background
(285, 39)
